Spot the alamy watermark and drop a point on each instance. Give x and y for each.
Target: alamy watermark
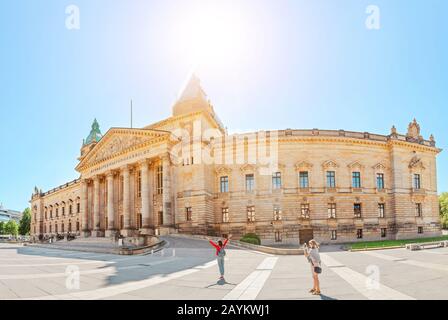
(373, 20)
(72, 20)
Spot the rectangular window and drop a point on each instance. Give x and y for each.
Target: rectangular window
(278, 236)
(331, 179)
(277, 213)
(224, 184)
(188, 213)
(356, 180)
(63, 211)
(381, 210)
(77, 225)
(383, 232)
(121, 221)
(380, 181)
(250, 182)
(139, 184)
(303, 180)
(251, 214)
(225, 215)
(57, 212)
(417, 181)
(139, 221)
(70, 209)
(305, 210)
(418, 210)
(332, 210)
(420, 230)
(334, 235)
(78, 208)
(359, 234)
(357, 209)
(277, 181)
(159, 179)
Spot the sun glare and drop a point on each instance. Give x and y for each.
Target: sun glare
(212, 35)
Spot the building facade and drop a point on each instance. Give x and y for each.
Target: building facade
(7, 215)
(186, 174)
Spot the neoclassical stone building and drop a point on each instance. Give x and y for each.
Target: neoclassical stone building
(186, 174)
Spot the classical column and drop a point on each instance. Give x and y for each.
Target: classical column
(167, 221)
(146, 201)
(84, 208)
(126, 201)
(110, 205)
(96, 206)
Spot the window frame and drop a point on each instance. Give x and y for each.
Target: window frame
(357, 212)
(331, 210)
(356, 180)
(277, 181)
(250, 183)
(381, 210)
(330, 179)
(250, 214)
(304, 180)
(224, 182)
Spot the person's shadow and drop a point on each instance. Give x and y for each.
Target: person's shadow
(324, 297)
(220, 282)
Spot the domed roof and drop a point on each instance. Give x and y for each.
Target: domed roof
(95, 134)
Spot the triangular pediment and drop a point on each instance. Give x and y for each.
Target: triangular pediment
(118, 141)
(416, 163)
(379, 166)
(303, 165)
(355, 165)
(330, 164)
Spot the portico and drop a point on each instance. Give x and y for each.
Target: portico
(125, 183)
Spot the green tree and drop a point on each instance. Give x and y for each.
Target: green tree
(25, 222)
(2, 227)
(443, 201)
(11, 228)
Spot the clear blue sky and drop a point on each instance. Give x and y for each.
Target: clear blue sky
(294, 64)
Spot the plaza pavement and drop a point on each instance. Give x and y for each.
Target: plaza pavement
(186, 269)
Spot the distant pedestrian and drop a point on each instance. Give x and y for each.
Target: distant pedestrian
(312, 254)
(220, 254)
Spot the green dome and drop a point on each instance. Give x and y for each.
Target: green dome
(95, 134)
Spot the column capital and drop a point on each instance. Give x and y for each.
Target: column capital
(165, 157)
(145, 163)
(127, 168)
(110, 173)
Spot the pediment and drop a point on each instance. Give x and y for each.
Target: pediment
(303, 165)
(379, 166)
(416, 163)
(118, 141)
(355, 165)
(248, 168)
(223, 170)
(330, 164)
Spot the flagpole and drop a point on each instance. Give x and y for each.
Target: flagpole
(131, 114)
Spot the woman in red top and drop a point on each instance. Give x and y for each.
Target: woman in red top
(220, 254)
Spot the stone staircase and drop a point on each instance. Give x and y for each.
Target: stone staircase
(100, 245)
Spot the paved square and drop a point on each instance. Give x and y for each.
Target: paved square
(187, 270)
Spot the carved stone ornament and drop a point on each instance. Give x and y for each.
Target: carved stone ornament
(416, 162)
(116, 145)
(413, 130)
(330, 164)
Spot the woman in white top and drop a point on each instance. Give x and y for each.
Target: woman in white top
(313, 256)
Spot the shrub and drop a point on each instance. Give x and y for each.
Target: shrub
(251, 238)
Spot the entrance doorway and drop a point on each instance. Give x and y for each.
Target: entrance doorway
(306, 235)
